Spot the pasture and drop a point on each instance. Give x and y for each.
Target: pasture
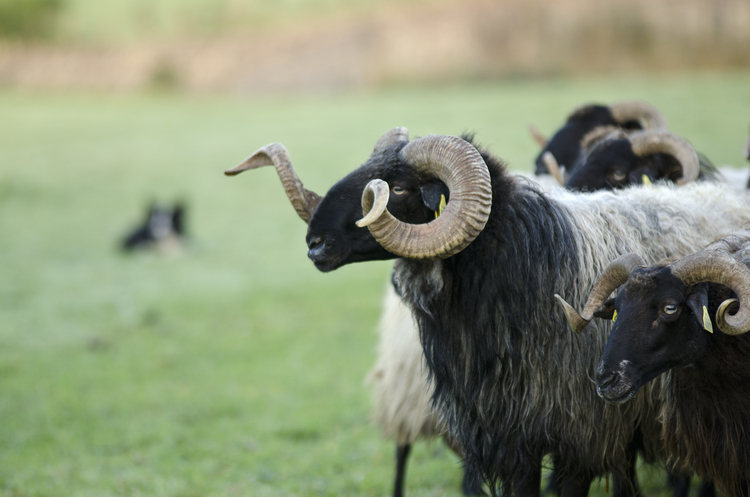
(235, 368)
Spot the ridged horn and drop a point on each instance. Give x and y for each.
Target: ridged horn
(460, 166)
(538, 137)
(275, 154)
(651, 142)
(719, 267)
(639, 111)
(599, 134)
(614, 275)
(553, 167)
(395, 135)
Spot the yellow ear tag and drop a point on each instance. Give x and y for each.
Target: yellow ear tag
(707, 321)
(614, 317)
(441, 207)
(646, 180)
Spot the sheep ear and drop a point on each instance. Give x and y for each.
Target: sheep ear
(607, 310)
(697, 302)
(432, 193)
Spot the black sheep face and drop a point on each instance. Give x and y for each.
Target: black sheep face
(611, 164)
(565, 144)
(334, 239)
(608, 166)
(659, 325)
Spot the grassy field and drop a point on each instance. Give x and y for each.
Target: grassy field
(236, 368)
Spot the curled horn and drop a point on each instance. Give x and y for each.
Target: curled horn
(613, 276)
(275, 154)
(599, 134)
(553, 167)
(719, 267)
(460, 166)
(395, 135)
(651, 142)
(639, 111)
(537, 135)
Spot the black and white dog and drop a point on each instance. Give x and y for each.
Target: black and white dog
(163, 229)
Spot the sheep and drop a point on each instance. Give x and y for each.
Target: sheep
(510, 379)
(163, 228)
(612, 158)
(563, 149)
(399, 379)
(667, 319)
(403, 391)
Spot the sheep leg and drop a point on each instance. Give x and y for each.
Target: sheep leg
(628, 486)
(575, 485)
(529, 482)
(553, 480)
(472, 482)
(402, 454)
(680, 481)
(707, 488)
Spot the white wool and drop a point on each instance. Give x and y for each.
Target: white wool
(546, 182)
(399, 377)
(734, 177)
(675, 220)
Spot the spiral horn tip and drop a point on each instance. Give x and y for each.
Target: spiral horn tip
(574, 319)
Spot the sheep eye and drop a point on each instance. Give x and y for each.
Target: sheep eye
(398, 190)
(618, 175)
(670, 309)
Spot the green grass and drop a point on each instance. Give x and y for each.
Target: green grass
(237, 368)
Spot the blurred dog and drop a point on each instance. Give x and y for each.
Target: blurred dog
(163, 229)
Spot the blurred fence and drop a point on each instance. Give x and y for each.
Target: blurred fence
(420, 42)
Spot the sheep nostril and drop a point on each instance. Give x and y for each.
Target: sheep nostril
(316, 248)
(315, 242)
(605, 381)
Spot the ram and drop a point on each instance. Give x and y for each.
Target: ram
(611, 159)
(563, 149)
(687, 318)
(511, 380)
(399, 378)
(609, 152)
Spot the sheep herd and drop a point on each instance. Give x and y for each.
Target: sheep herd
(481, 341)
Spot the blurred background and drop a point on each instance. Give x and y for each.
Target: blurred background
(235, 45)
(226, 364)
